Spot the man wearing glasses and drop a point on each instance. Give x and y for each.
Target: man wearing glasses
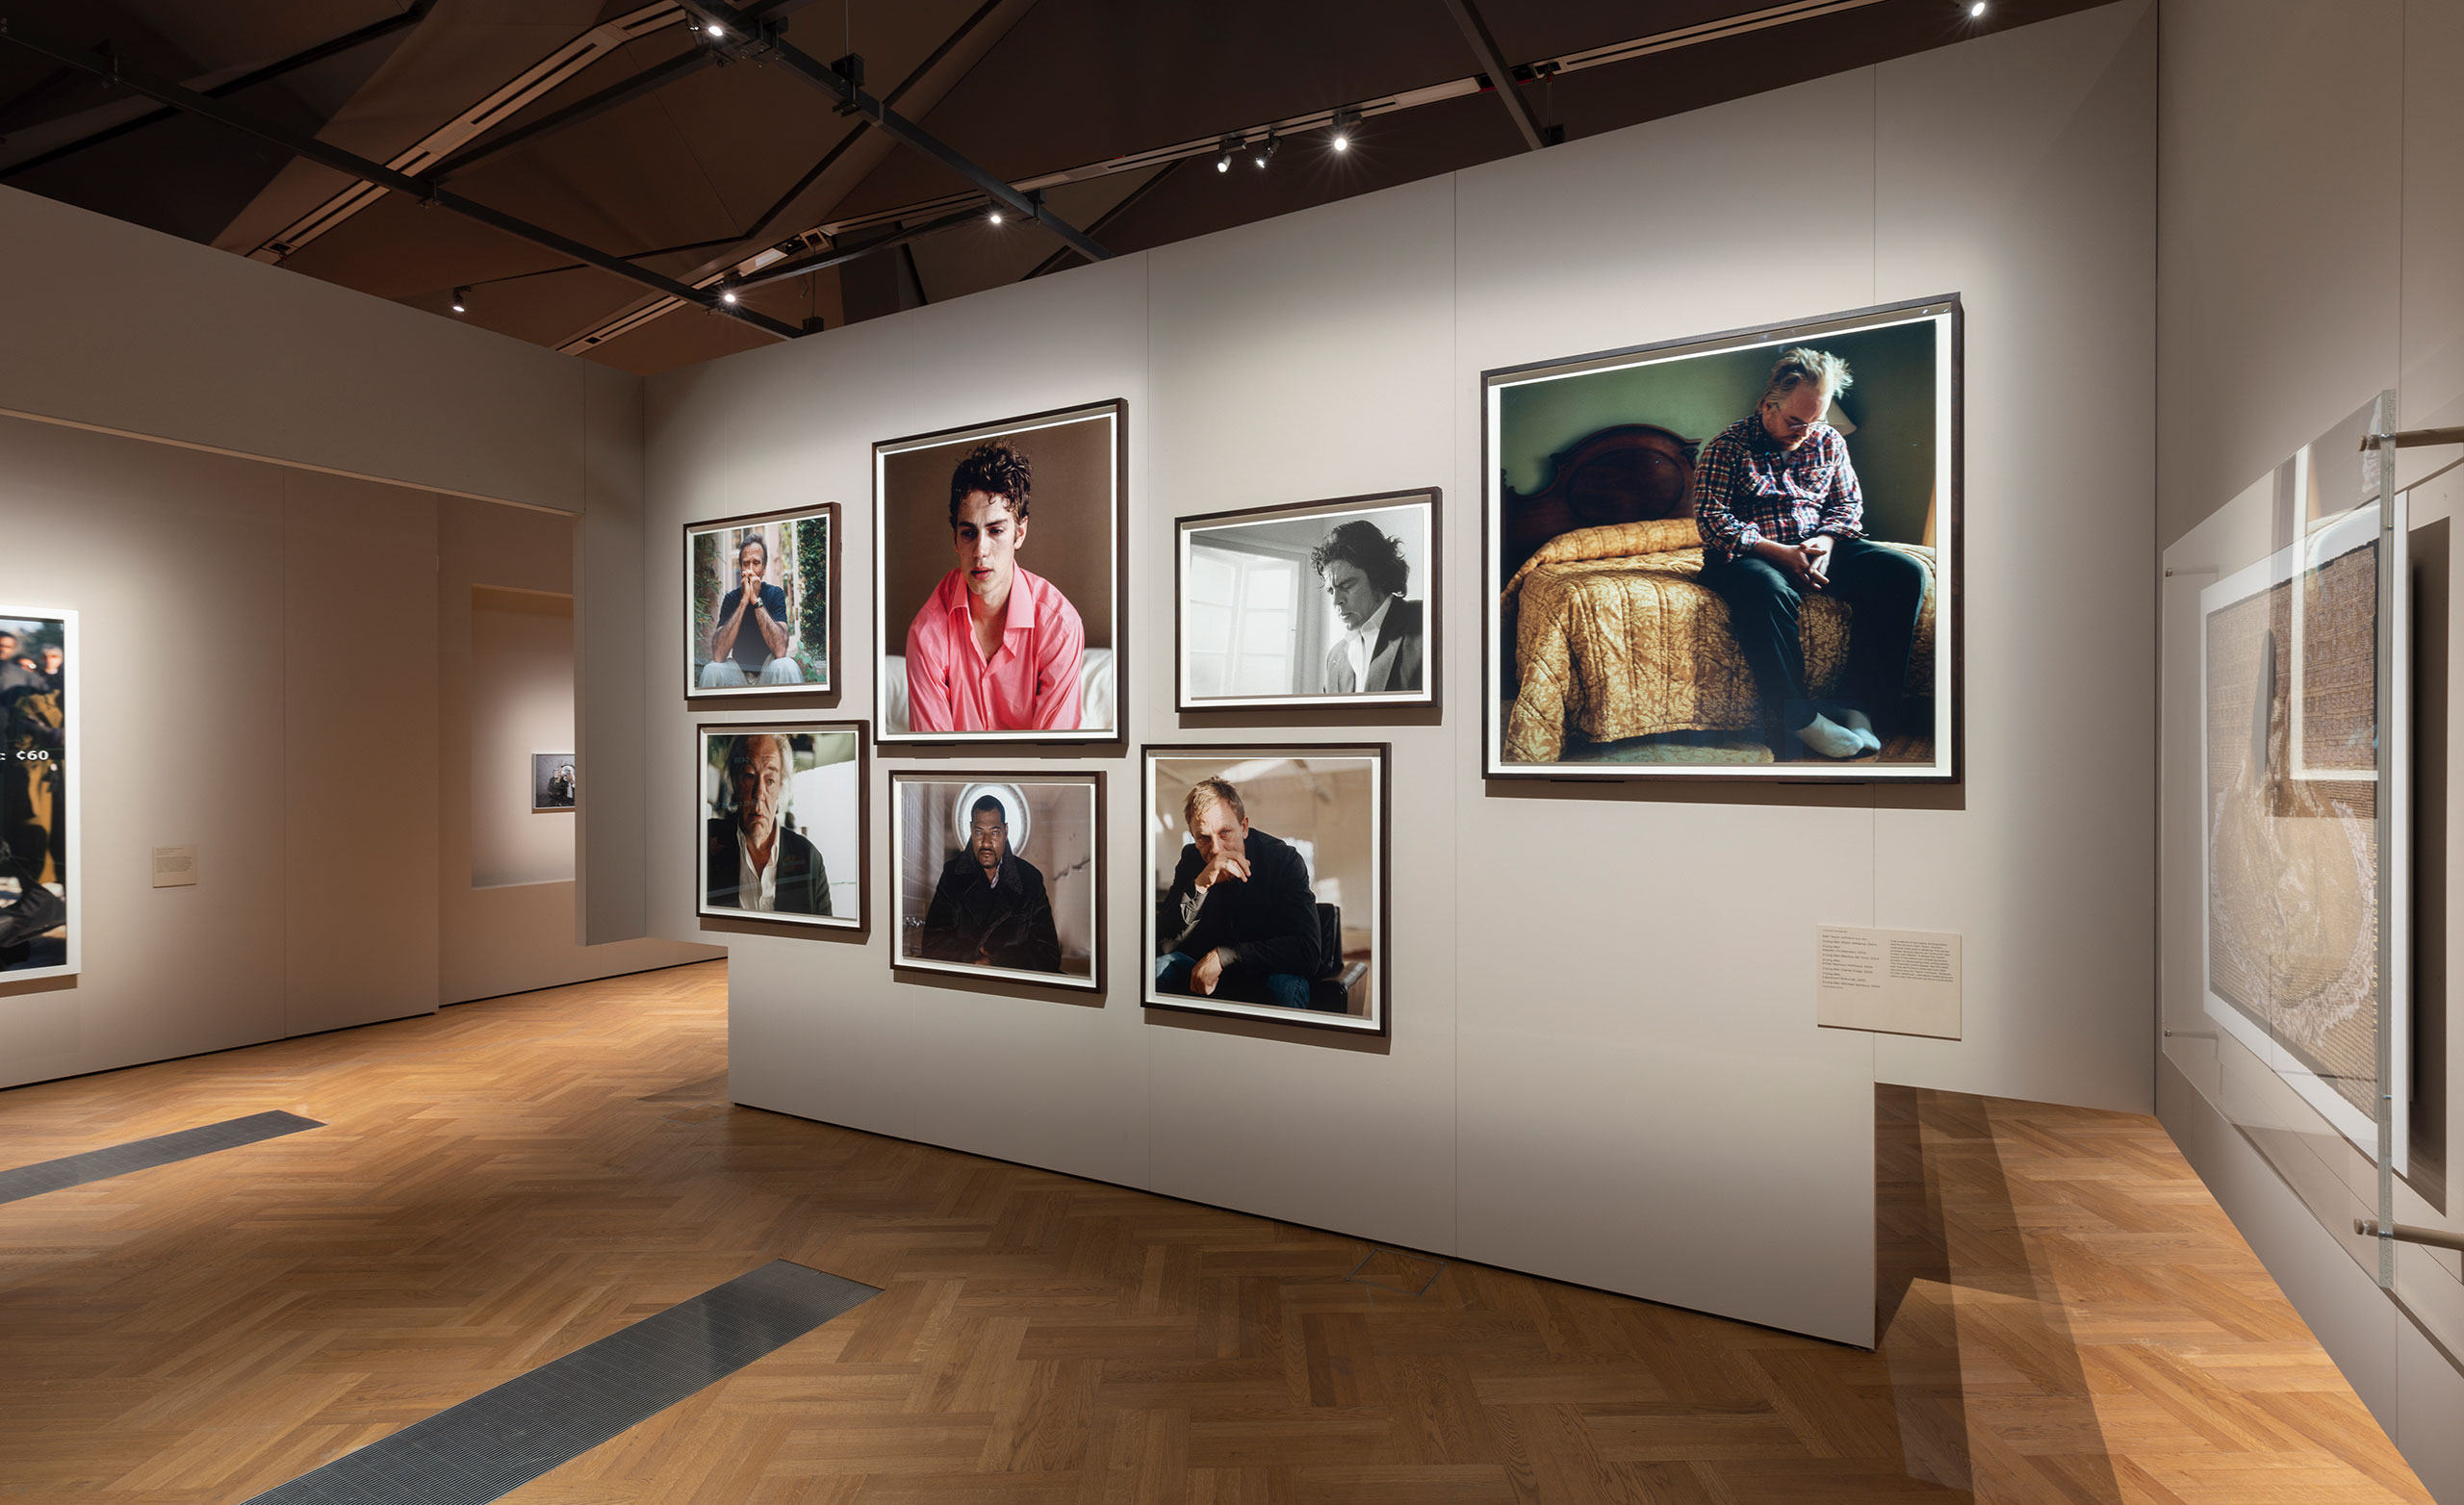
(1781, 516)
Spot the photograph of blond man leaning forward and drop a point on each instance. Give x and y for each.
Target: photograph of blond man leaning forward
(1782, 517)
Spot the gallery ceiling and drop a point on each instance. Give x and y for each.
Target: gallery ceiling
(694, 156)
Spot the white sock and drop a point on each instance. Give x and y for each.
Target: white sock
(1860, 724)
(1829, 738)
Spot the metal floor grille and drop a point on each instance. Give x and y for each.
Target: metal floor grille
(75, 1170)
(501, 1438)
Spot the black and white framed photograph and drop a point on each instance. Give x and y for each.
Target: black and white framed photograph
(1314, 604)
(40, 911)
(785, 826)
(761, 604)
(551, 782)
(1266, 875)
(1000, 875)
(998, 579)
(1734, 556)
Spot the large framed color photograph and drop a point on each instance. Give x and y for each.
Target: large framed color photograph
(761, 604)
(1267, 874)
(1317, 603)
(1000, 875)
(40, 911)
(998, 579)
(785, 823)
(1729, 557)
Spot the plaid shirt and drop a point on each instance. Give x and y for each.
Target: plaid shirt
(1748, 488)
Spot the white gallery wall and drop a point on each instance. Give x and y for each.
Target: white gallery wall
(1604, 1064)
(2311, 214)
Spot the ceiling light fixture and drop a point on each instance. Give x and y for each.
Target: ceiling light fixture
(1266, 149)
(1230, 143)
(715, 29)
(996, 217)
(461, 300)
(1975, 11)
(1346, 122)
(727, 295)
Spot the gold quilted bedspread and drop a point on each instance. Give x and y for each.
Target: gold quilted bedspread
(1615, 637)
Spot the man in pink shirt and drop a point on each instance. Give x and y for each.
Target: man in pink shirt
(995, 649)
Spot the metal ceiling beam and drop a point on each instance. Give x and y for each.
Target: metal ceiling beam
(373, 32)
(841, 255)
(376, 173)
(761, 39)
(1501, 80)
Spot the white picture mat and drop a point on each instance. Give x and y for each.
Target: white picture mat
(1373, 1019)
(901, 832)
(73, 849)
(1946, 552)
(1393, 515)
(1107, 414)
(2352, 530)
(832, 787)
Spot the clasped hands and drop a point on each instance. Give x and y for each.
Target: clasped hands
(1806, 565)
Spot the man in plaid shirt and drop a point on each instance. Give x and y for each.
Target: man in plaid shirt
(1782, 516)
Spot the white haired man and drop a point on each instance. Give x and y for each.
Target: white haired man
(1783, 517)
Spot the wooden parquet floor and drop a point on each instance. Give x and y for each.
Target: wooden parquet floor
(2068, 1317)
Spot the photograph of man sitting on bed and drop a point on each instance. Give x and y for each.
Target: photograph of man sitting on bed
(1728, 558)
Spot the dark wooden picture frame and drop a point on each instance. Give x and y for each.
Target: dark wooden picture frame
(861, 923)
(1093, 781)
(1382, 960)
(1118, 409)
(1432, 603)
(694, 690)
(1951, 720)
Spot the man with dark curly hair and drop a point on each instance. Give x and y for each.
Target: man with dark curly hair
(1364, 573)
(995, 649)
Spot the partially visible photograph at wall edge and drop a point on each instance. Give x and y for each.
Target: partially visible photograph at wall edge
(1729, 556)
(40, 866)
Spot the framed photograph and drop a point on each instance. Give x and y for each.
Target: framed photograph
(1000, 876)
(1730, 557)
(551, 782)
(1266, 883)
(1000, 579)
(39, 865)
(761, 604)
(1323, 603)
(785, 832)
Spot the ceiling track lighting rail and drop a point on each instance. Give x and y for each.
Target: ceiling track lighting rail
(1343, 122)
(374, 32)
(375, 176)
(849, 93)
(1493, 65)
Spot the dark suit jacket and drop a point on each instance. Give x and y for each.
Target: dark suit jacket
(1009, 921)
(1394, 666)
(804, 883)
(1269, 922)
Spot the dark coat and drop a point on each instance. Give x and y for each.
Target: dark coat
(1009, 921)
(804, 883)
(1394, 663)
(1269, 922)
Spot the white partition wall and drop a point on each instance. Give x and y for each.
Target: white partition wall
(1604, 1064)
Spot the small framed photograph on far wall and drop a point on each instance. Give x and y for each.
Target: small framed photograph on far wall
(1267, 877)
(551, 782)
(1000, 875)
(1316, 603)
(785, 828)
(761, 604)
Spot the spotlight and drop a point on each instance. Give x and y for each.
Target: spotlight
(461, 300)
(1345, 122)
(1266, 149)
(1975, 11)
(1224, 148)
(996, 217)
(727, 296)
(715, 29)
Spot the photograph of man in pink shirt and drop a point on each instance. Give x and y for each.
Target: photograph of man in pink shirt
(995, 648)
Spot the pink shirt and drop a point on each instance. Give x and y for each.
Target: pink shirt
(1030, 685)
